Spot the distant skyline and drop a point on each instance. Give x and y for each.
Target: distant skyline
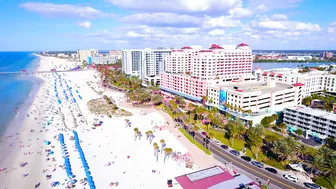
(120, 24)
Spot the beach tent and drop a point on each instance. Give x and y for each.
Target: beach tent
(74, 100)
(59, 101)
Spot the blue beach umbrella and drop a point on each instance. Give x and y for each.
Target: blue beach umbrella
(79, 96)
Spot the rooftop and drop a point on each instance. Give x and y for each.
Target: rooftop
(253, 86)
(204, 179)
(213, 178)
(314, 112)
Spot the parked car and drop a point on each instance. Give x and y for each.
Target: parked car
(258, 164)
(312, 185)
(216, 142)
(291, 178)
(272, 170)
(204, 133)
(246, 158)
(234, 152)
(224, 146)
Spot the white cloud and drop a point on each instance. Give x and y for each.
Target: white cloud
(239, 13)
(285, 25)
(274, 4)
(85, 24)
(261, 8)
(216, 32)
(269, 25)
(64, 10)
(307, 26)
(190, 6)
(279, 17)
(221, 22)
(332, 27)
(163, 19)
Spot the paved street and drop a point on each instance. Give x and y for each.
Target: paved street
(225, 156)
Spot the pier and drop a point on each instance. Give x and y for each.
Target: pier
(37, 72)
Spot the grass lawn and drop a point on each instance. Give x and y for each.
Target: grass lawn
(325, 182)
(194, 141)
(268, 132)
(238, 144)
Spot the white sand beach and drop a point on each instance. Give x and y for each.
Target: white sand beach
(111, 150)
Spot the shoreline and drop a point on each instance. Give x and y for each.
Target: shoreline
(16, 123)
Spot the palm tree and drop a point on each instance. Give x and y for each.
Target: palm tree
(316, 165)
(330, 170)
(154, 147)
(136, 130)
(147, 135)
(167, 152)
(163, 144)
(156, 99)
(156, 152)
(151, 136)
(204, 99)
(258, 143)
(233, 130)
(325, 153)
(303, 150)
(257, 130)
(190, 108)
(299, 132)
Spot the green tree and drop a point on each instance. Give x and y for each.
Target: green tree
(299, 132)
(156, 99)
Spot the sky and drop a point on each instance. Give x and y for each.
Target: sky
(51, 25)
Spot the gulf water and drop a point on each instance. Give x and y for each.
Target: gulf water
(15, 89)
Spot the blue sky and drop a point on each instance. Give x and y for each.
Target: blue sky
(119, 24)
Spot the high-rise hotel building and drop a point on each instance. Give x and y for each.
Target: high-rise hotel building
(189, 72)
(146, 64)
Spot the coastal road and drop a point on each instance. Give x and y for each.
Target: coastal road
(276, 180)
(247, 166)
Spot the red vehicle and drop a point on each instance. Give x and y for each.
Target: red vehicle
(204, 133)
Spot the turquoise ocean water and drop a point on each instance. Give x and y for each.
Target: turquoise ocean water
(15, 89)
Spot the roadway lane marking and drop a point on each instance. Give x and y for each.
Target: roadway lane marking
(247, 166)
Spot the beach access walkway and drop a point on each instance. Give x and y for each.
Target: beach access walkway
(37, 72)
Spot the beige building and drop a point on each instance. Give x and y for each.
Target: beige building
(261, 98)
(86, 54)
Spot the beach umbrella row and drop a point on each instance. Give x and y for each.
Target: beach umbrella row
(65, 154)
(84, 162)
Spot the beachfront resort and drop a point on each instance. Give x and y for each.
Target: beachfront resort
(92, 126)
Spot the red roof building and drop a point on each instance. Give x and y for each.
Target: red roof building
(298, 85)
(243, 45)
(215, 46)
(212, 177)
(186, 47)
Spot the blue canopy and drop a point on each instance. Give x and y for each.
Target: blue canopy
(79, 96)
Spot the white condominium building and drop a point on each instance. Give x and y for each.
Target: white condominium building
(314, 81)
(261, 98)
(316, 123)
(85, 55)
(153, 65)
(132, 62)
(146, 64)
(330, 83)
(109, 59)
